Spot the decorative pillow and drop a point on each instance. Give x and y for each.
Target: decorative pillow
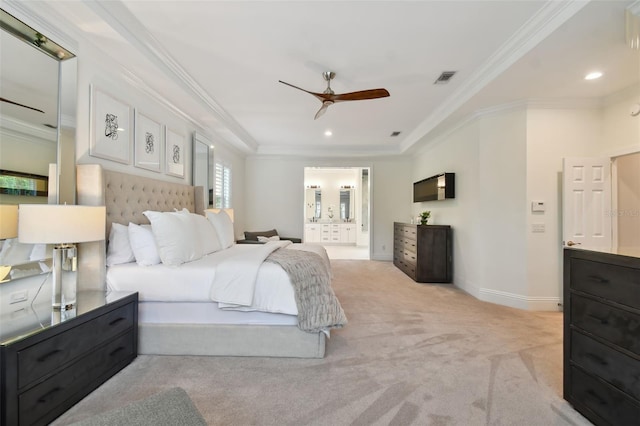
(224, 227)
(267, 239)
(143, 245)
(119, 249)
(253, 236)
(176, 237)
(207, 233)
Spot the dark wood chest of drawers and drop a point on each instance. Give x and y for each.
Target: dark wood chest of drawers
(602, 336)
(423, 252)
(47, 371)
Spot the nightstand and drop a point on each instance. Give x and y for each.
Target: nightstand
(49, 363)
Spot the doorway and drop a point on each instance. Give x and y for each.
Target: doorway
(337, 210)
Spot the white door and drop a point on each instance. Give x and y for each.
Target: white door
(586, 206)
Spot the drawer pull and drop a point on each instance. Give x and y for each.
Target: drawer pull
(597, 397)
(46, 396)
(603, 321)
(599, 279)
(115, 351)
(43, 358)
(597, 359)
(117, 320)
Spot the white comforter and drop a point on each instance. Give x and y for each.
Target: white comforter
(194, 281)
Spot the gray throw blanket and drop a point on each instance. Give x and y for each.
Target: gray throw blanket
(318, 306)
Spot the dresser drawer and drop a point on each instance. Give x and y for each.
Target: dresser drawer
(617, 326)
(617, 283)
(612, 366)
(409, 232)
(38, 402)
(43, 357)
(602, 400)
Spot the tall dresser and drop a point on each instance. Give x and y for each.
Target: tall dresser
(602, 336)
(423, 252)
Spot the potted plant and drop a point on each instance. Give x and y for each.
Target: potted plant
(424, 217)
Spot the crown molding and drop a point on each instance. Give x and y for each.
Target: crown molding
(634, 8)
(550, 16)
(328, 151)
(19, 127)
(116, 14)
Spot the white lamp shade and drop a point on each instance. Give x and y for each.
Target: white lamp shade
(60, 224)
(229, 212)
(8, 221)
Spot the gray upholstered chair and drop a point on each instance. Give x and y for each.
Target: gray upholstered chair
(252, 237)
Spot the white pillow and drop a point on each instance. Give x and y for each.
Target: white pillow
(224, 227)
(267, 239)
(143, 245)
(119, 249)
(176, 236)
(207, 234)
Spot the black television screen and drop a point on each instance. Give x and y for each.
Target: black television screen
(438, 187)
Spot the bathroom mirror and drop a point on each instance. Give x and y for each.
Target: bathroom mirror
(313, 203)
(347, 204)
(38, 91)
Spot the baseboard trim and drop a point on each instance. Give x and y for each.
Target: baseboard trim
(519, 301)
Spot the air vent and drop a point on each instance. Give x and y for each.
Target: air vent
(444, 77)
(394, 134)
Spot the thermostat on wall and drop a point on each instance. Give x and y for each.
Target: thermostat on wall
(537, 206)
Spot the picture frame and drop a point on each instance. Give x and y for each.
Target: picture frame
(111, 123)
(148, 142)
(175, 153)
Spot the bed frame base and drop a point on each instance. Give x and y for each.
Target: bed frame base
(229, 340)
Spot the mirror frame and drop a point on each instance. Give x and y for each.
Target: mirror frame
(17, 21)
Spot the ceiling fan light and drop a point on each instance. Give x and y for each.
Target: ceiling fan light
(593, 75)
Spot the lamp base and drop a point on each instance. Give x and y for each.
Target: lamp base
(64, 282)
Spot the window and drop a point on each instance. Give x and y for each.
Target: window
(223, 186)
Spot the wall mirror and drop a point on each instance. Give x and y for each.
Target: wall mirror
(313, 203)
(202, 170)
(38, 87)
(347, 210)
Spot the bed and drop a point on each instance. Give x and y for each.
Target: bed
(190, 323)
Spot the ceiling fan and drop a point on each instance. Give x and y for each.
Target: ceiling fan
(328, 97)
(20, 105)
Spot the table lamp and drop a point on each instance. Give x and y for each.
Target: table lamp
(63, 226)
(228, 211)
(8, 221)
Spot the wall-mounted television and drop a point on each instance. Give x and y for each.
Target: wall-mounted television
(434, 188)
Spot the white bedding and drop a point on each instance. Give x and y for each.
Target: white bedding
(192, 282)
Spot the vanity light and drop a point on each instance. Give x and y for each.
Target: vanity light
(593, 75)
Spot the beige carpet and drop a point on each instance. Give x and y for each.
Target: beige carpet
(412, 354)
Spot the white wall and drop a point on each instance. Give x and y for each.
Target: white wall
(628, 209)
(274, 195)
(552, 134)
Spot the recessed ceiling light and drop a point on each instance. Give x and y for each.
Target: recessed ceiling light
(593, 75)
(328, 133)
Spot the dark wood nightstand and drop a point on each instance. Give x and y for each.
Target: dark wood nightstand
(48, 364)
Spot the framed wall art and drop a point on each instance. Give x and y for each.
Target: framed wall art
(111, 127)
(148, 142)
(175, 153)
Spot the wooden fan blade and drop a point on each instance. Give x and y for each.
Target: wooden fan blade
(321, 96)
(359, 96)
(20, 105)
(322, 109)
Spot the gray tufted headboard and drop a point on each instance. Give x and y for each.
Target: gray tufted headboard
(125, 197)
